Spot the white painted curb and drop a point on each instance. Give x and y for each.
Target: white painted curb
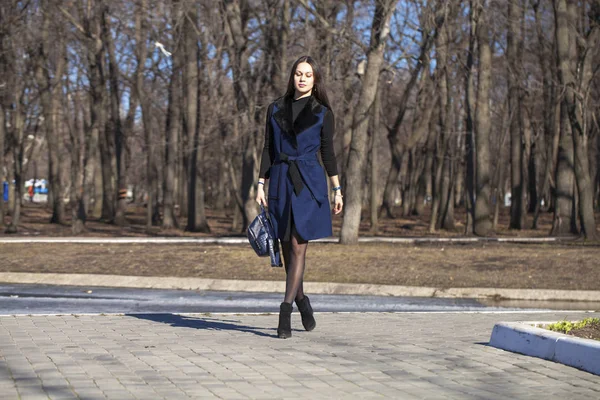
(193, 283)
(523, 338)
(244, 241)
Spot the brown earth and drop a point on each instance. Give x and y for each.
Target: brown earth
(591, 331)
(565, 265)
(35, 221)
(538, 266)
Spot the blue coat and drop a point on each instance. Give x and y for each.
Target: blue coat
(297, 181)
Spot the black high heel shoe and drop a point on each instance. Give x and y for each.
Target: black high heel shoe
(284, 330)
(306, 311)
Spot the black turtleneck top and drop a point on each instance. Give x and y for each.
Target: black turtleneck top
(327, 151)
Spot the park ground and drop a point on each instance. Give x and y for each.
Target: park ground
(571, 264)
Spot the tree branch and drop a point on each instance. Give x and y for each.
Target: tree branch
(77, 24)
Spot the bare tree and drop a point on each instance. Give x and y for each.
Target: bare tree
(196, 217)
(49, 88)
(518, 208)
(442, 196)
(172, 125)
(19, 64)
(575, 74)
(119, 138)
(432, 20)
(358, 146)
(374, 173)
(236, 14)
(551, 109)
(76, 147)
(482, 224)
(5, 16)
(194, 143)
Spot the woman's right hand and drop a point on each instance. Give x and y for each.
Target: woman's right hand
(260, 196)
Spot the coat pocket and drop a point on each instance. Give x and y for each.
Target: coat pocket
(314, 176)
(274, 179)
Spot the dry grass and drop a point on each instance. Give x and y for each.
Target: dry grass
(35, 221)
(548, 266)
(571, 265)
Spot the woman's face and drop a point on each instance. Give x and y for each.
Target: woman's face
(303, 79)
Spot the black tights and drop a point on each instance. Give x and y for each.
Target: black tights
(294, 253)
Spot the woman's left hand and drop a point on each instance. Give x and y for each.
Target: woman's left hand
(338, 203)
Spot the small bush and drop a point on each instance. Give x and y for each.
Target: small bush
(568, 326)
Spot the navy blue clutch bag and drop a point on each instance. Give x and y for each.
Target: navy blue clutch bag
(262, 238)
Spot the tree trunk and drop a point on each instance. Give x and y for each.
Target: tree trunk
(120, 140)
(482, 224)
(438, 162)
(77, 150)
(529, 165)
(569, 61)
(172, 127)
(17, 129)
(191, 102)
(357, 157)
(397, 145)
(204, 81)
(390, 184)
(346, 60)
(565, 222)
(442, 178)
(2, 160)
(459, 178)
(446, 216)
(470, 149)
(92, 185)
(425, 191)
(284, 29)
(597, 168)
(374, 201)
(499, 177)
(514, 38)
(417, 183)
(49, 102)
(551, 112)
(407, 170)
(570, 115)
(106, 160)
(4, 107)
(237, 21)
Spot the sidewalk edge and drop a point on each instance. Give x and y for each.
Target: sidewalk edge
(240, 240)
(523, 338)
(190, 283)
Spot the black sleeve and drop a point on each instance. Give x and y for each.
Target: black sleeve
(266, 160)
(327, 151)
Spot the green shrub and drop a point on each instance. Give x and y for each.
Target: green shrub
(568, 326)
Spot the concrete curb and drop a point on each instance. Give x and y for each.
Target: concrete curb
(243, 240)
(154, 282)
(523, 338)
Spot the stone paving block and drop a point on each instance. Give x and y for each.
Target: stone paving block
(90, 394)
(152, 359)
(9, 392)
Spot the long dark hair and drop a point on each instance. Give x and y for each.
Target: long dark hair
(318, 91)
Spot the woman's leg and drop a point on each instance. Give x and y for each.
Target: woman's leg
(286, 248)
(294, 267)
(292, 270)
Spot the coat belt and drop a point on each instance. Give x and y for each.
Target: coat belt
(294, 171)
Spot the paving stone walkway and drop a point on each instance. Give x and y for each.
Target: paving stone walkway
(348, 356)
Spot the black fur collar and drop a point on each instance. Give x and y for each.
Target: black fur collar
(305, 119)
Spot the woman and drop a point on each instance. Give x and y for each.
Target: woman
(299, 127)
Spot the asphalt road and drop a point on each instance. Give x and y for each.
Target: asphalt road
(48, 299)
